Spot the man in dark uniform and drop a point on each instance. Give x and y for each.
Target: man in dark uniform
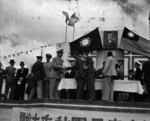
(90, 76)
(138, 71)
(38, 75)
(79, 75)
(138, 77)
(21, 82)
(2, 76)
(10, 80)
(146, 75)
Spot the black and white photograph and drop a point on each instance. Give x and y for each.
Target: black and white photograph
(74, 60)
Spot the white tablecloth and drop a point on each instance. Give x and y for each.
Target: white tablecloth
(119, 85)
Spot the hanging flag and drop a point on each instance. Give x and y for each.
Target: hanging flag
(67, 16)
(134, 43)
(9, 56)
(41, 52)
(59, 44)
(26, 52)
(21, 52)
(73, 19)
(13, 55)
(5, 57)
(18, 54)
(88, 42)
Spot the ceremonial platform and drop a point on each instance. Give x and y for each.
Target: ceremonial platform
(73, 110)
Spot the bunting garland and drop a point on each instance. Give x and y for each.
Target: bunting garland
(18, 54)
(26, 52)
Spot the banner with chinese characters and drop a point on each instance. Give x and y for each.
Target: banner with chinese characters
(53, 114)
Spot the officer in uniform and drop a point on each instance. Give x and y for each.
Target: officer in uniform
(90, 75)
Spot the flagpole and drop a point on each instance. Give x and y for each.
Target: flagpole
(66, 32)
(0, 48)
(73, 32)
(41, 52)
(149, 24)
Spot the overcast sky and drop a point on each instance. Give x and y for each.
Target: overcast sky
(27, 24)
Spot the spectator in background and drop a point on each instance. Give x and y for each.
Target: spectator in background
(90, 72)
(55, 75)
(119, 69)
(99, 71)
(71, 71)
(131, 75)
(2, 77)
(138, 77)
(119, 72)
(46, 83)
(21, 77)
(109, 73)
(38, 76)
(138, 72)
(118, 77)
(10, 80)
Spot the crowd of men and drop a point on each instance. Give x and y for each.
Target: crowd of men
(44, 78)
(41, 82)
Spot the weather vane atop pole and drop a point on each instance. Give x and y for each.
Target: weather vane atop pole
(66, 21)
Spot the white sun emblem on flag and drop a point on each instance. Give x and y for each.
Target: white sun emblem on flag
(85, 42)
(130, 34)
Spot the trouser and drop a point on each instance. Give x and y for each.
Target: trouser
(1, 83)
(148, 89)
(19, 92)
(80, 87)
(54, 93)
(39, 89)
(91, 85)
(11, 86)
(46, 87)
(108, 88)
(33, 93)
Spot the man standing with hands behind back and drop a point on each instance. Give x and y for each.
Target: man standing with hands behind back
(109, 73)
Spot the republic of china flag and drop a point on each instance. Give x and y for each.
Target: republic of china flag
(88, 42)
(134, 43)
